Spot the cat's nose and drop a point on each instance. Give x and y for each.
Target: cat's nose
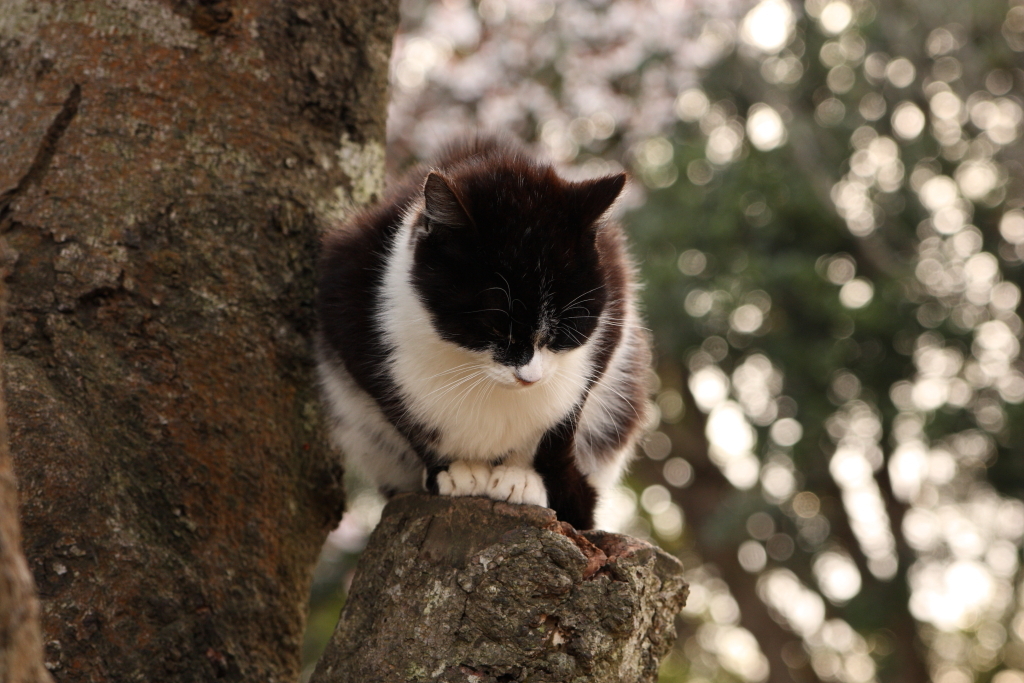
(523, 380)
(531, 372)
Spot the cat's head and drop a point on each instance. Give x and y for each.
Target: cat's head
(507, 263)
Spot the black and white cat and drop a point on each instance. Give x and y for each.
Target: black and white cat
(479, 334)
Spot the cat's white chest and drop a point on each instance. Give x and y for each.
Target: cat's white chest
(475, 417)
(454, 392)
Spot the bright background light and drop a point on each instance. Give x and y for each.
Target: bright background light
(757, 133)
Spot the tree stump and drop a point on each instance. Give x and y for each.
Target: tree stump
(474, 590)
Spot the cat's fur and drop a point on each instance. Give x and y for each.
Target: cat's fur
(479, 334)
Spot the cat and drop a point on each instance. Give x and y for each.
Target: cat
(479, 334)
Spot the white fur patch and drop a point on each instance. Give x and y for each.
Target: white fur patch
(517, 485)
(511, 484)
(370, 443)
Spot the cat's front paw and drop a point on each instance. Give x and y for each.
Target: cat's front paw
(517, 485)
(464, 479)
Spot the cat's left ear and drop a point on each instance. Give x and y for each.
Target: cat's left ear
(596, 196)
(442, 205)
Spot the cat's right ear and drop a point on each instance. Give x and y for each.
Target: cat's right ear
(596, 196)
(442, 205)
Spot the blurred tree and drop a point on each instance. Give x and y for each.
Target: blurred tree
(829, 217)
(846, 341)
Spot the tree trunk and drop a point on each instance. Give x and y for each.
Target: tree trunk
(21, 644)
(166, 168)
(470, 590)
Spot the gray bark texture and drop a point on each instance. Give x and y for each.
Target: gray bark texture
(167, 167)
(477, 591)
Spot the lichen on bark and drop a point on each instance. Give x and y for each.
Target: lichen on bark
(476, 591)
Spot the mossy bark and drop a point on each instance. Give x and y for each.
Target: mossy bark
(167, 167)
(475, 591)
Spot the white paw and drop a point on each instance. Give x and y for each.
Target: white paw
(517, 485)
(464, 479)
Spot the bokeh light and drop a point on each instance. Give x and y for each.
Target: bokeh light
(765, 127)
(829, 215)
(768, 26)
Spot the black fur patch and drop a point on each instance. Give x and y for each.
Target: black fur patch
(570, 495)
(508, 258)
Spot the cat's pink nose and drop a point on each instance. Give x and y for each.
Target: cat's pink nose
(523, 381)
(531, 372)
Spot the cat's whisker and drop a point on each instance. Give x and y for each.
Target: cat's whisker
(469, 365)
(469, 390)
(466, 391)
(602, 403)
(574, 335)
(507, 290)
(624, 400)
(463, 366)
(583, 295)
(490, 289)
(458, 395)
(454, 383)
(486, 310)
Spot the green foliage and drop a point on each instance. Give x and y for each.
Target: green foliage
(828, 221)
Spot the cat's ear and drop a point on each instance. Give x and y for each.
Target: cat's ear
(596, 196)
(442, 204)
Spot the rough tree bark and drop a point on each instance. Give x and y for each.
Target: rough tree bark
(166, 165)
(469, 590)
(21, 643)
